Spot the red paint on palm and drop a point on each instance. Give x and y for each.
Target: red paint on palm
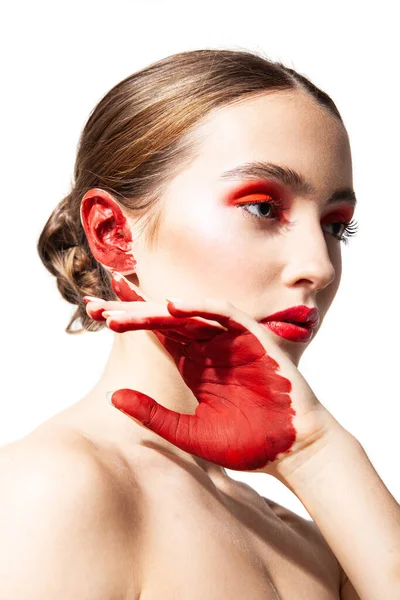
(244, 417)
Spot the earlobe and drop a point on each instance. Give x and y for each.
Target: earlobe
(107, 231)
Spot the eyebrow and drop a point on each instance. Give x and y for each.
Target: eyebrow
(287, 176)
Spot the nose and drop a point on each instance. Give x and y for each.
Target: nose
(310, 260)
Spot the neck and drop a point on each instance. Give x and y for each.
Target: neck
(138, 361)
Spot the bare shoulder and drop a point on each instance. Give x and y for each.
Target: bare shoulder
(58, 500)
(61, 459)
(71, 463)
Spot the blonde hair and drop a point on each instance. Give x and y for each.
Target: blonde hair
(137, 138)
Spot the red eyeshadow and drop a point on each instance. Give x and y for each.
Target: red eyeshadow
(262, 188)
(256, 191)
(345, 214)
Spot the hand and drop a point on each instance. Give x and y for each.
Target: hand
(249, 417)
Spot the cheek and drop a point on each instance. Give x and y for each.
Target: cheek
(203, 248)
(208, 253)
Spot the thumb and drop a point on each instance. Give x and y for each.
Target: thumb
(169, 424)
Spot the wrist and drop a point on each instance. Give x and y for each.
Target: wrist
(297, 470)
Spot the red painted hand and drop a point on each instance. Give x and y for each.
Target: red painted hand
(249, 417)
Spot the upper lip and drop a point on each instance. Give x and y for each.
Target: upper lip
(299, 314)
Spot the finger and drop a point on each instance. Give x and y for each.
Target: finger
(221, 311)
(186, 329)
(124, 289)
(156, 310)
(169, 424)
(95, 308)
(192, 328)
(228, 316)
(87, 299)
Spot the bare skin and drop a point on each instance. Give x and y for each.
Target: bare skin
(199, 538)
(206, 535)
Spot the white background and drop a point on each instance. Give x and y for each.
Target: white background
(59, 59)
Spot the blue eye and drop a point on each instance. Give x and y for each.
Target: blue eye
(266, 208)
(270, 210)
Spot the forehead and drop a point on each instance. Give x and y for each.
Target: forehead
(286, 127)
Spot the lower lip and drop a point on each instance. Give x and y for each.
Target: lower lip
(289, 331)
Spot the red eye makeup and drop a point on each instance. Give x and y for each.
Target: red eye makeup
(254, 191)
(270, 196)
(264, 194)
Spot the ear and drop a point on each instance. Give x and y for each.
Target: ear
(107, 231)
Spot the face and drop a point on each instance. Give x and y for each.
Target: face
(284, 251)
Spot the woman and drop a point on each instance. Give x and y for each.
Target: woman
(224, 179)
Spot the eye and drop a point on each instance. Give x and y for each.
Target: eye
(269, 208)
(348, 230)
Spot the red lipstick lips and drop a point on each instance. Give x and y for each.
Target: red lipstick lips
(296, 324)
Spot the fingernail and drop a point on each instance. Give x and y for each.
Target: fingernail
(112, 313)
(108, 396)
(92, 299)
(174, 300)
(118, 276)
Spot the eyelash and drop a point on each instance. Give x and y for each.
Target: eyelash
(349, 231)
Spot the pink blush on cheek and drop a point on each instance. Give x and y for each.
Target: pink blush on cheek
(205, 249)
